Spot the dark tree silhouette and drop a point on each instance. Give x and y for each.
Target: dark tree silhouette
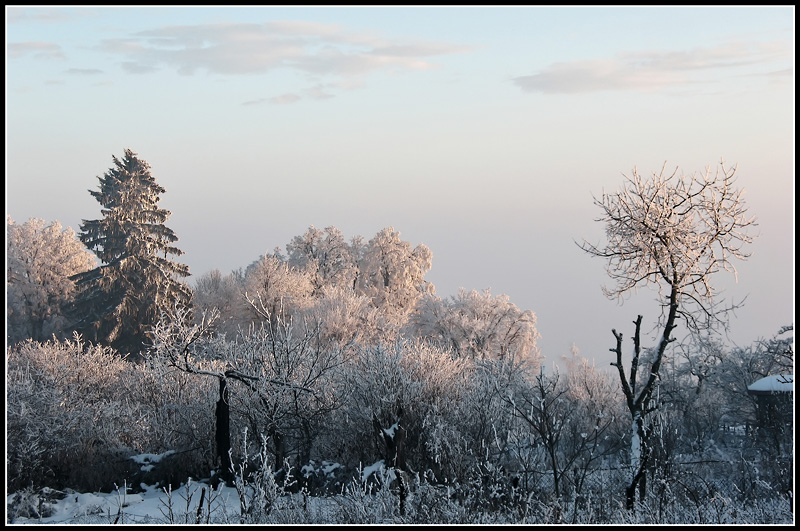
(119, 301)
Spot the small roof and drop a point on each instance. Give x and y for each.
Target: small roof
(777, 383)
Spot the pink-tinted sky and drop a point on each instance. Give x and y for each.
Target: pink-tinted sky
(481, 132)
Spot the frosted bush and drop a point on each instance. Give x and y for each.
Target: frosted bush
(76, 412)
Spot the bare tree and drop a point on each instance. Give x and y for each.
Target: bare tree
(280, 377)
(674, 232)
(571, 423)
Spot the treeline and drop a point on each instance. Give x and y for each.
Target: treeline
(333, 366)
(481, 439)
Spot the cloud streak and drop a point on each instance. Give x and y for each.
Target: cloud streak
(317, 92)
(238, 49)
(39, 14)
(38, 49)
(84, 71)
(653, 70)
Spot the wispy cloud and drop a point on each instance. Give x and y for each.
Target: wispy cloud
(83, 71)
(41, 14)
(317, 92)
(653, 70)
(285, 98)
(320, 92)
(136, 68)
(38, 49)
(319, 49)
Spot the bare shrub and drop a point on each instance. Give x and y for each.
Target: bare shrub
(77, 412)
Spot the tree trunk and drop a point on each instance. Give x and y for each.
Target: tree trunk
(637, 397)
(279, 441)
(223, 432)
(392, 446)
(639, 461)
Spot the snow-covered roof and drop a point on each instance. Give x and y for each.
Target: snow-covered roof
(777, 383)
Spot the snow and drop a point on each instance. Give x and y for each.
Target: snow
(773, 384)
(392, 430)
(155, 505)
(326, 467)
(329, 467)
(147, 507)
(375, 468)
(636, 445)
(148, 460)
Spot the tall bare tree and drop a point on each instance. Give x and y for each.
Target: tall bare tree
(673, 232)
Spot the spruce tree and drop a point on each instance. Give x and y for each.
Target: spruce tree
(121, 299)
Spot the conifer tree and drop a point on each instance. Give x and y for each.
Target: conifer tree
(120, 300)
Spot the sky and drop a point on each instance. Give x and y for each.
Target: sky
(484, 133)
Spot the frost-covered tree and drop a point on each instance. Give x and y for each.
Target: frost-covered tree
(278, 380)
(686, 391)
(674, 232)
(75, 411)
(345, 316)
(780, 349)
(743, 366)
(478, 325)
(269, 288)
(326, 256)
(223, 293)
(594, 392)
(392, 274)
(41, 258)
(424, 381)
(122, 298)
(273, 289)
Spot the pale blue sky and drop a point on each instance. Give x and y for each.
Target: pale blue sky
(482, 132)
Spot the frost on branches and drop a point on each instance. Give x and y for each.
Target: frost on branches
(674, 232)
(392, 273)
(326, 256)
(41, 258)
(478, 326)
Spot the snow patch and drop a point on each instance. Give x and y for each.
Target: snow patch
(151, 458)
(776, 383)
(374, 468)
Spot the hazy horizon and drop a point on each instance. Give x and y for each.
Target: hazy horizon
(481, 132)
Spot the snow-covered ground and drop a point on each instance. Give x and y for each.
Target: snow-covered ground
(195, 502)
(153, 505)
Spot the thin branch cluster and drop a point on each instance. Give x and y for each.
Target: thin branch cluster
(674, 231)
